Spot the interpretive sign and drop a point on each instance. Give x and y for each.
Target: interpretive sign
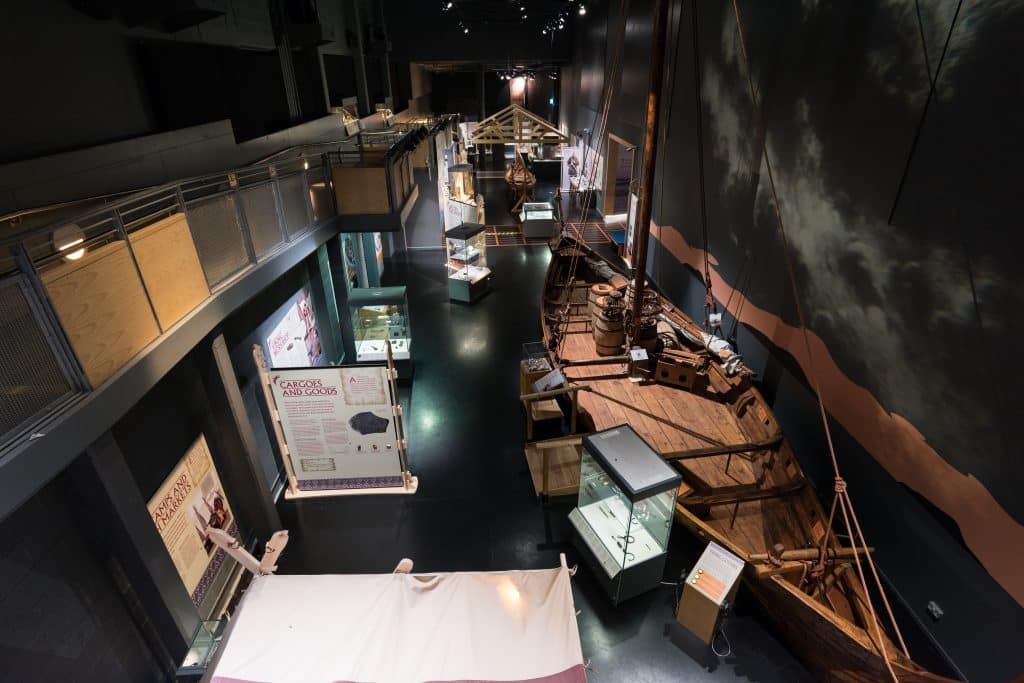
(339, 426)
(190, 501)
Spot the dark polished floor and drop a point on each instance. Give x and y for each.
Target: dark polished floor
(476, 509)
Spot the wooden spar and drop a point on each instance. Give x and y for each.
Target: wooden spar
(724, 450)
(604, 360)
(644, 204)
(809, 554)
(744, 493)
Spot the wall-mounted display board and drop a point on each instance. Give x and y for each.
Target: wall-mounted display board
(339, 429)
(571, 166)
(295, 340)
(190, 501)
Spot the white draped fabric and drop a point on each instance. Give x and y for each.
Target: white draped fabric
(465, 627)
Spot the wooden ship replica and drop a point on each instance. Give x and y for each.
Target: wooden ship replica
(696, 404)
(515, 125)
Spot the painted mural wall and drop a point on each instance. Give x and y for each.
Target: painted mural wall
(894, 129)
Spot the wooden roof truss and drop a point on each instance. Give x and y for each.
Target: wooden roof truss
(515, 125)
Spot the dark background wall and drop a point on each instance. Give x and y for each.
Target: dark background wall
(92, 73)
(911, 309)
(66, 618)
(421, 32)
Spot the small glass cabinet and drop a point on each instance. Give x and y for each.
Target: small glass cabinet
(538, 219)
(380, 313)
(468, 274)
(624, 513)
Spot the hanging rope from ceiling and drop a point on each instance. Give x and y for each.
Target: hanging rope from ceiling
(710, 307)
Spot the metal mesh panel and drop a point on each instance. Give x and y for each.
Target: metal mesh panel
(293, 201)
(261, 217)
(30, 376)
(218, 237)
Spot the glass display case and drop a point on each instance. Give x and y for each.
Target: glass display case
(380, 313)
(205, 641)
(468, 274)
(624, 513)
(538, 219)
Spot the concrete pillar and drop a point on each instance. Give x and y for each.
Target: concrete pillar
(117, 512)
(353, 19)
(233, 443)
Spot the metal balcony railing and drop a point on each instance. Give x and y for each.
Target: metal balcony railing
(85, 286)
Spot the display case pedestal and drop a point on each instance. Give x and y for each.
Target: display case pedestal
(622, 584)
(468, 291)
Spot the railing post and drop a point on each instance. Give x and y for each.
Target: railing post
(279, 203)
(243, 224)
(123, 233)
(46, 316)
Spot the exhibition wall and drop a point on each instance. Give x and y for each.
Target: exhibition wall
(906, 268)
(114, 79)
(67, 616)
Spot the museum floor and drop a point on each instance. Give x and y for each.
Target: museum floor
(476, 508)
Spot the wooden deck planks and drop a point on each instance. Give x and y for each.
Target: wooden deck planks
(757, 524)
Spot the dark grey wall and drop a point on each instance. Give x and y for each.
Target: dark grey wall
(83, 80)
(912, 309)
(65, 617)
(420, 31)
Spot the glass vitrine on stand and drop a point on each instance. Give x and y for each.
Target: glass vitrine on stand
(379, 314)
(468, 274)
(624, 513)
(538, 219)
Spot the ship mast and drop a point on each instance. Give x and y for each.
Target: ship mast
(644, 203)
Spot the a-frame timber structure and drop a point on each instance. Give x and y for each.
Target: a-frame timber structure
(515, 125)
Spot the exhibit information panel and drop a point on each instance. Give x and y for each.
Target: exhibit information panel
(189, 501)
(339, 426)
(295, 340)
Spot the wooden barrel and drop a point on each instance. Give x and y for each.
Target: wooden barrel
(649, 297)
(609, 335)
(598, 290)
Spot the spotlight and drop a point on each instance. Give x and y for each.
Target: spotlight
(445, 6)
(582, 10)
(544, 31)
(465, 29)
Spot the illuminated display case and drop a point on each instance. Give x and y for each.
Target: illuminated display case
(623, 516)
(468, 274)
(538, 219)
(380, 313)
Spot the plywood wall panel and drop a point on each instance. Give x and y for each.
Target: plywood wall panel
(103, 308)
(361, 190)
(170, 268)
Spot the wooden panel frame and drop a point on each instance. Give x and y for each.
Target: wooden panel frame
(361, 190)
(170, 268)
(102, 307)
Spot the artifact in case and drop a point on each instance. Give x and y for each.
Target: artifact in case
(468, 274)
(538, 219)
(623, 517)
(378, 314)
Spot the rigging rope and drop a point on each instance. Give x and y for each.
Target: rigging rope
(600, 127)
(845, 502)
(709, 301)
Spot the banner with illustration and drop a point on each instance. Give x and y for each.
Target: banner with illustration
(295, 340)
(339, 426)
(190, 501)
